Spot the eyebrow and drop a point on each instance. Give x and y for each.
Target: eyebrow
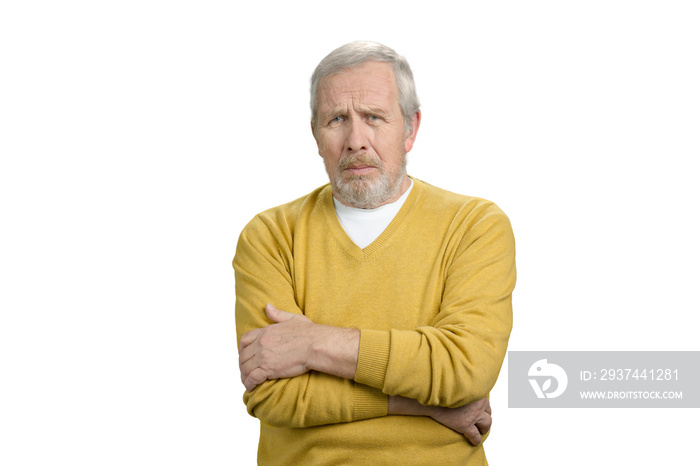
(376, 110)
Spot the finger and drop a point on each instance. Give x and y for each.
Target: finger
(277, 315)
(248, 382)
(242, 369)
(246, 353)
(247, 367)
(248, 338)
(249, 385)
(244, 375)
(473, 435)
(484, 423)
(255, 378)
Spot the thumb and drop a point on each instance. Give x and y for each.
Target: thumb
(277, 315)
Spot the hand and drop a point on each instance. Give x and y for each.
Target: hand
(471, 420)
(276, 351)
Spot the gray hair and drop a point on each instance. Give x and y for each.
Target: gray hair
(356, 53)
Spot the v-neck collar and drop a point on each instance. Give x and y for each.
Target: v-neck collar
(382, 240)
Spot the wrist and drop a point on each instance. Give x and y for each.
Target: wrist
(334, 350)
(400, 405)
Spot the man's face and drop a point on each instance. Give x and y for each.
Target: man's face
(361, 135)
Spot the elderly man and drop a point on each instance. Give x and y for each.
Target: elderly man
(373, 314)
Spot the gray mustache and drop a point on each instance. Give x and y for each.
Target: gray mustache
(361, 159)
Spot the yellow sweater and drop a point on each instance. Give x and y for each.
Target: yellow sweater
(432, 298)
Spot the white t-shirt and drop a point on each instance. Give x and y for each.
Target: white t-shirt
(363, 226)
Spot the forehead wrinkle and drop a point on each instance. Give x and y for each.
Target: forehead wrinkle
(384, 79)
(361, 101)
(360, 93)
(358, 107)
(336, 90)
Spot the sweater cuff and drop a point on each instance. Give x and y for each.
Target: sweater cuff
(369, 403)
(373, 358)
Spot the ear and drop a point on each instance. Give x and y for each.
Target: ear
(411, 137)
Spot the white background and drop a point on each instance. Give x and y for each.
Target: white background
(138, 137)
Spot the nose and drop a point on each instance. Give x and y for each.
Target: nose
(357, 138)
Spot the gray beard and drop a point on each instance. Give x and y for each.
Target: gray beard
(365, 192)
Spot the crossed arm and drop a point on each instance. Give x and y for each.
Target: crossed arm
(294, 345)
(301, 374)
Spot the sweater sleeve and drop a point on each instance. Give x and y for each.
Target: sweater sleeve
(456, 359)
(263, 264)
